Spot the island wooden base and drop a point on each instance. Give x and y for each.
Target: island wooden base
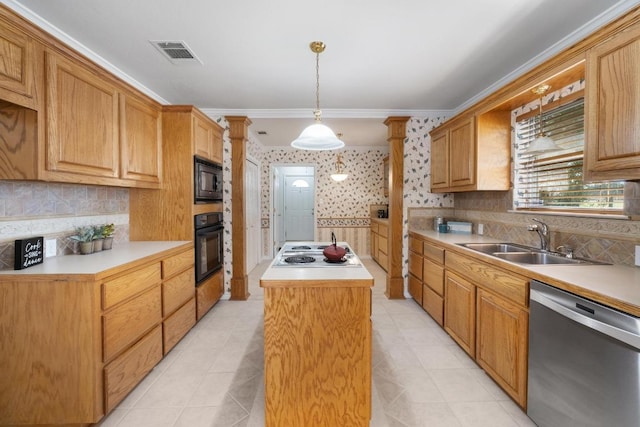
(317, 353)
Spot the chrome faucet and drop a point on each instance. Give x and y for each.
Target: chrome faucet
(543, 232)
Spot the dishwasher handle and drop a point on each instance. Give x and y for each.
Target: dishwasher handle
(559, 305)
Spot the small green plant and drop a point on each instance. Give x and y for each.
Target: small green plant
(108, 230)
(98, 231)
(83, 234)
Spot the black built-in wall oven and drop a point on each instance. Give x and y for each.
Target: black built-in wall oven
(209, 235)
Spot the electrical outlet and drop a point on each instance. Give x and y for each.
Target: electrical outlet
(51, 248)
(480, 228)
(638, 256)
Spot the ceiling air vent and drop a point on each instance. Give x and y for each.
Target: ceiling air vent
(177, 52)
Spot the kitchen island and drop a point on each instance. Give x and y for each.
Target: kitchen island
(317, 344)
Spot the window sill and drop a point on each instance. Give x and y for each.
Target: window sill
(570, 214)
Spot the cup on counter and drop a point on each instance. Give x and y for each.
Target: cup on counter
(443, 228)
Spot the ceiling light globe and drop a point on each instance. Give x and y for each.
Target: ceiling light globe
(339, 176)
(317, 137)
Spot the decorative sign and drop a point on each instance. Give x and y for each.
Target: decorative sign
(29, 252)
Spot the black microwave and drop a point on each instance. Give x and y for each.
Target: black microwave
(207, 181)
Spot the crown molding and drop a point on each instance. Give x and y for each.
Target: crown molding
(330, 113)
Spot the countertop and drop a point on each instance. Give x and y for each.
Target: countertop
(613, 285)
(359, 276)
(99, 262)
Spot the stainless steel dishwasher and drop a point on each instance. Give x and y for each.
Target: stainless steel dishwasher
(584, 362)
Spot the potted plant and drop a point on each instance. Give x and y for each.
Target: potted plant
(84, 236)
(107, 234)
(98, 240)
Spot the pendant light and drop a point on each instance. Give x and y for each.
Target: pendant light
(339, 175)
(542, 143)
(317, 136)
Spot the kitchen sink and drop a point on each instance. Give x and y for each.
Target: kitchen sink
(522, 254)
(490, 248)
(538, 258)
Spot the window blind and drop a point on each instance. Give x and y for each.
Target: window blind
(554, 180)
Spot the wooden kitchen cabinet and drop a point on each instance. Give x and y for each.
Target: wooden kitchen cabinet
(19, 66)
(93, 337)
(472, 153)
(501, 319)
(415, 269)
(207, 139)
(501, 343)
(460, 311)
(433, 281)
(140, 139)
(81, 120)
(379, 242)
(612, 128)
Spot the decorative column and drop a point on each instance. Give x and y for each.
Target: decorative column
(396, 133)
(239, 134)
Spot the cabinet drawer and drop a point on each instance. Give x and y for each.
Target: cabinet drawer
(383, 260)
(178, 324)
(433, 276)
(177, 290)
(415, 288)
(415, 265)
(383, 230)
(433, 253)
(433, 304)
(177, 263)
(208, 293)
(126, 323)
(382, 244)
(501, 282)
(120, 289)
(415, 245)
(124, 373)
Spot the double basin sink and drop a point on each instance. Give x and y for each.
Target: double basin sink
(521, 254)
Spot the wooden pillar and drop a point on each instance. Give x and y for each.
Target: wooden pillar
(239, 134)
(396, 133)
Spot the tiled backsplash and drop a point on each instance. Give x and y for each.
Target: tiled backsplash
(54, 210)
(607, 240)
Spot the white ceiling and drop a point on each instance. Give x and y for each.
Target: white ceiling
(404, 57)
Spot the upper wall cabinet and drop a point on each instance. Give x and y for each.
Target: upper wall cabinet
(471, 153)
(18, 66)
(207, 140)
(81, 120)
(140, 139)
(612, 146)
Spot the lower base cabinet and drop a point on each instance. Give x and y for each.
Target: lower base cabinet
(74, 345)
(460, 311)
(124, 373)
(208, 293)
(501, 343)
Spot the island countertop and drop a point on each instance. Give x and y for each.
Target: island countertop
(276, 276)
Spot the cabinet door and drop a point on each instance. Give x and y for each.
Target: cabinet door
(203, 138)
(81, 120)
(612, 145)
(501, 346)
(460, 311)
(462, 154)
(374, 245)
(140, 140)
(17, 66)
(415, 288)
(440, 160)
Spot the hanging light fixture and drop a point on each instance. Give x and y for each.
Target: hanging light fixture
(542, 143)
(339, 175)
(317, 136)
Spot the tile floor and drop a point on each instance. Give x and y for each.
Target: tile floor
(213, 377)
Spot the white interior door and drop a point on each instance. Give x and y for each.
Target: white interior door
(298, 208)
(252, 214)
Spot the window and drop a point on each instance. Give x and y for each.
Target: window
(553, 180)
